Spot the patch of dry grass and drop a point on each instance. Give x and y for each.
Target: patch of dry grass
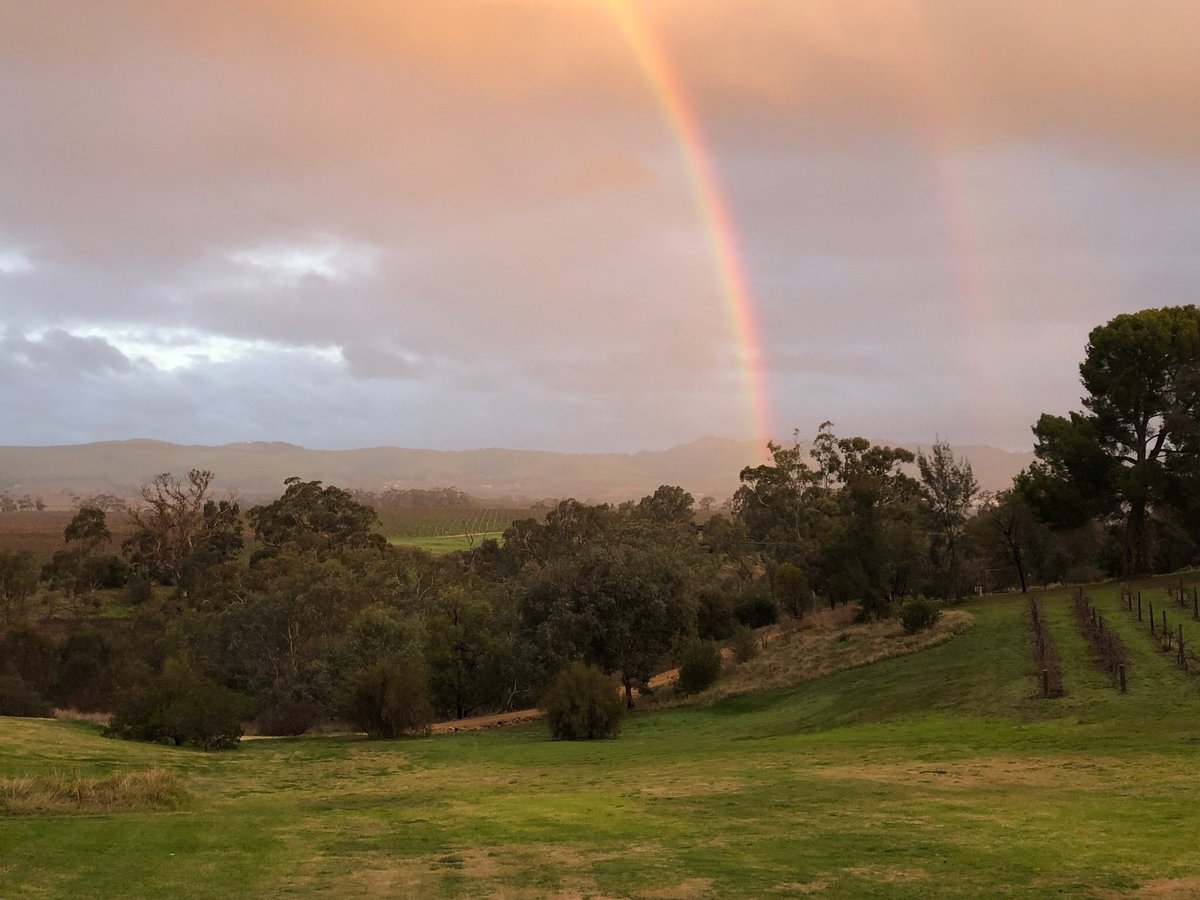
(78, 715)
(824, 643)
(60, 792)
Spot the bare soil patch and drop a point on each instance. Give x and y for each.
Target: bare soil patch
(1171, 888)
(482, 723)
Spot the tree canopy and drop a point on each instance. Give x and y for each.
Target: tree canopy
(1133, 454)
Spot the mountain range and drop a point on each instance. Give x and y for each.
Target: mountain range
(255, 471)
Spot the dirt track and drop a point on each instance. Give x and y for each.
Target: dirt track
(482, 723)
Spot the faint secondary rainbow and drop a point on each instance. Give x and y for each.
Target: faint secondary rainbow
(712, 207)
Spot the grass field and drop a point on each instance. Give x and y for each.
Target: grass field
(934, 774)
(445, 543)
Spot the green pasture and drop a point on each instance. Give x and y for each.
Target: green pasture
(446, 543)
(936, 774)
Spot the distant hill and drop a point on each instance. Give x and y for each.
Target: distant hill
(256, 471)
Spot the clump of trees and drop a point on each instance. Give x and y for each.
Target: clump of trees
(845, 521)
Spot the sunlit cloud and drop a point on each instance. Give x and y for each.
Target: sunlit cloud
(327, 259)
(170, 349)
(14, 262)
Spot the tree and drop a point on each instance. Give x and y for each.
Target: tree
(668, 504)
(638, 602)
(18, 581)
(789, 586)
(325, 520)
(390, 698)
(784, 505)
(88, 528)
(1007, 523)
(867, 553)
(177, 520)
(949, 487)
(616, 606)
(1137, 446)
(79, 567)
(462, 651)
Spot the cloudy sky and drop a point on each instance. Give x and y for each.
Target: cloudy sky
(468, 223)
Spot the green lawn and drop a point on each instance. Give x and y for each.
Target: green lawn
(936, 774)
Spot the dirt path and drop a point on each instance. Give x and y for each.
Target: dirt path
(482, 723)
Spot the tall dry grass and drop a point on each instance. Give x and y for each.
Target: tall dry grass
(826, 642)
(62, 792)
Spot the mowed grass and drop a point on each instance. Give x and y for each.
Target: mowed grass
(934, 774)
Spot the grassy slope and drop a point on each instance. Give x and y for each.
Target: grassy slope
(931, 774)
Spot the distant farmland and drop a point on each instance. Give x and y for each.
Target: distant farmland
(407, 525)
(438, 530)
(41, 533)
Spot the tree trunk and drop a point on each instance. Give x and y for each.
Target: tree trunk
(628, 691)
(1020, 564)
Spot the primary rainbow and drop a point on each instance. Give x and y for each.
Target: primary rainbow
(711, 205)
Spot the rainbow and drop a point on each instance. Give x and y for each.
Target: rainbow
(712, 207)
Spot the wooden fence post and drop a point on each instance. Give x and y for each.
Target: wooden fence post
(1182, 660)
(1139, 606)
(1151, 605)
(1045, 682)
(1121, 675)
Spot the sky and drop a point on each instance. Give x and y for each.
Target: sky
(473, 223)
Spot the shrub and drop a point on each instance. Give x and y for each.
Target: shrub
(390, 698)
(744, 645)
(756, 608)
(583, 704)
(699, 666)
(714, 615)
(918, 614)
(182, 707)
(19, 698)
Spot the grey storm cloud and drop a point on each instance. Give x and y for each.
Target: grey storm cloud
(365, 361)
(464, 224)
(57, 349)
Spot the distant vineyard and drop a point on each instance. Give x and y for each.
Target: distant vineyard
(426, 523)
(41, 533)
